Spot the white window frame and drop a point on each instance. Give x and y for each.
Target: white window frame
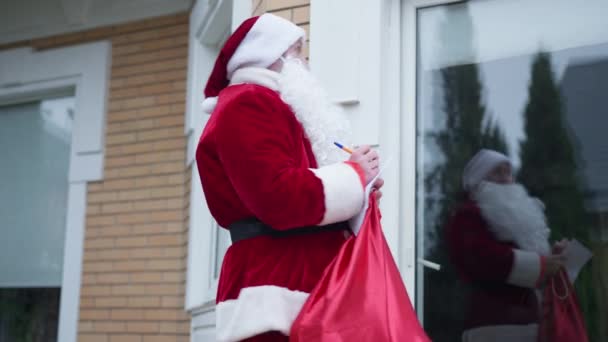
(211, 22)
(27, 75)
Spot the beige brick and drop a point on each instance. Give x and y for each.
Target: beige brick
(95, 291)
(172, 301)
(146, 277)
(163, 315)
(174, 277)
(177, 97)
(124, 290)
(120, 161)
(99, 243)
(164, 338)
(121, 93)
(113, 254)
(164, 289)
(287, 14)
(121, 115)
(153, 56)
(111, 302)
(94, 315)
(143, 101)
(145, 253)
(175, 252)
(134, 195)
(167, 192)
(144, 68)
(128, 314)
(301, 15)
(165, 145)
(144, 302)
(98, 266)
(130, 265)
(102, 197)
(112, 231)
(148, 229)
(113, 208)
(93, 209)
(136, 241)
(89, 279)
(112, 278)
(125, 338)
(110, 327)
(143, 327)
(136, 80)
(92, 338)
(160, 134)
(87, 303)
(86, 326)
(165, 265)
(272, 5)
(165, 240)
(170, 327)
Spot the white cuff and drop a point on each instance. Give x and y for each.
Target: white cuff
(525, 270)
(343, 192)
(258, 309)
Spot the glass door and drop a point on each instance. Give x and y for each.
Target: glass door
(528, 79)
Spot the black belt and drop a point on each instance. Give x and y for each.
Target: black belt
(250, 228)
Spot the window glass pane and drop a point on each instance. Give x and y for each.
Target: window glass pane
(34, 153)
(527, 79)
(29, 314)
(222, 242)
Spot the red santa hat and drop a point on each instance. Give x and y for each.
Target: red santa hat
(257, 42)
(480, 166)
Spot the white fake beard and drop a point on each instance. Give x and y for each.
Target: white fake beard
(514, 216)
(324, 122)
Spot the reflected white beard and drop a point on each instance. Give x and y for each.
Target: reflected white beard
(324, 122)
(514, 216)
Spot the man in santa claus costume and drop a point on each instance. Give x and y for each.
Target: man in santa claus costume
(273, 177)
(498, 242)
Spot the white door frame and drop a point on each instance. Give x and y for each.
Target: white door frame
(27, 75)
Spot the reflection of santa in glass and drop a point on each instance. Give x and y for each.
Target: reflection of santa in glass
(498, 241)
(272, 176)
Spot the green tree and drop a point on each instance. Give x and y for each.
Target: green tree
(549, 170)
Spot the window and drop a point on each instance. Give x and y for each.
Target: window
(35, 141)
(528, 79)
(27, 77)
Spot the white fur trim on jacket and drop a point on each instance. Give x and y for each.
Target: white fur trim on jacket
(343, 192)
(269, 38)
(257, 310)
(502, 333)
(260, 76)
(526, 269)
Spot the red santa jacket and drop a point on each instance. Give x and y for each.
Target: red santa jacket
(254, 160)
(502, 277)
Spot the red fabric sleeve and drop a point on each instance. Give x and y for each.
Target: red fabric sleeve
(257, 140)
(475, 252)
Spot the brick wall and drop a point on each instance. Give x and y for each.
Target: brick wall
(136, 239)
(297, 11)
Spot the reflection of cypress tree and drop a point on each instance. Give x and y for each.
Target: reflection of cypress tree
(463, 135)
(549, 169)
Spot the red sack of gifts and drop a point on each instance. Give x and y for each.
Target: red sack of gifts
(562, 320)
(361, 296)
